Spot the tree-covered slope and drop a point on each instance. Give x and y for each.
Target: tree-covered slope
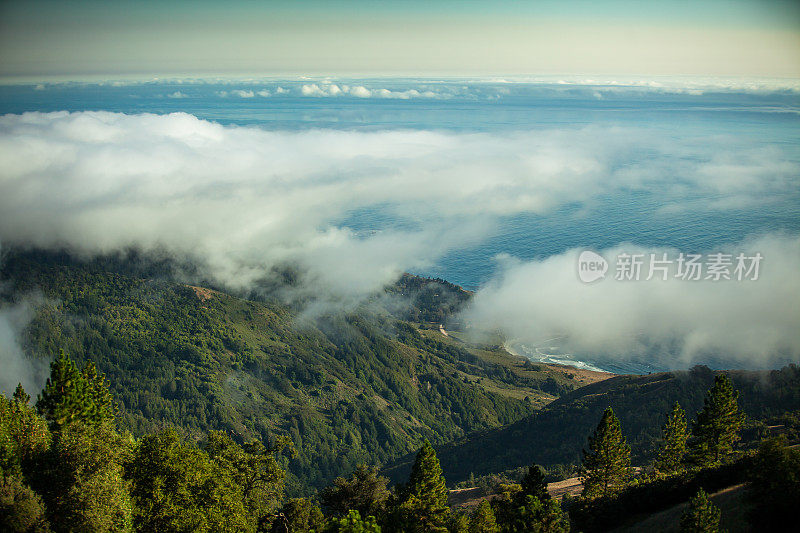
(346, 388)
(557, 433)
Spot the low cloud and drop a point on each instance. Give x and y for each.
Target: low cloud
(238, 93)
(247, 200)
(545, 308)
(17, 367)
(328, 89)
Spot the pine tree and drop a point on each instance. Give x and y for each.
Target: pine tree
(483, 520)
(530, 508)
(533, 484)
(423, 500)
(101, 403)
(20, 396)
(539, 516)
(65, 397)
(353, 523)
(365, 491)
(717, 426)
(774, 488)
(606, 464)
(71, 395)
(21, 509)
(701, 516)
(674, 435)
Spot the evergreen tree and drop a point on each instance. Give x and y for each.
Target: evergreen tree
(302, 514)
(483, 520)
(423, 500)
(528, 506)
(538, 516)
(24, 437)
(774, 489)
(65, 397)
(606, 464)
(20, 396)
(458, 522)
(674, 447)
(353, 523)
(101, 403)
(365, 491)
(21, 509)
(701, 516)
(71, 395)
(533, 484)
(718, 422)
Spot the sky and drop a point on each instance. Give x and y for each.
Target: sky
(42, 40)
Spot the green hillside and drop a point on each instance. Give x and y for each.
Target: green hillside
(557, 433)
(350, 388)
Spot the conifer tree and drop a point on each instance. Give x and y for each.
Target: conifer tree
(21, 509)
(675, 435)
(353, 523)
(20, 396)
(101, 403)
(701, 516)
(72, 395)
(483, 519)
(365, 491)
(530, 507)
(533, 484)
(606, 463)
(774, 488)
(65, 397)
(423, 500)
(717, 426)
(538, 516)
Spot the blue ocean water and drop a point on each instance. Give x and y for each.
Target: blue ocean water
(752, 118)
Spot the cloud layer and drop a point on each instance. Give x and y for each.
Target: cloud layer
(543, 306)
(246, 200)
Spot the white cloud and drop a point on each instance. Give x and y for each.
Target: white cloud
(313, 90)
(240, 93)
(544, 304)
(327, 89)
(265, 93)
(17, 368)
(177, 94)
(361, 92)
(247, 199)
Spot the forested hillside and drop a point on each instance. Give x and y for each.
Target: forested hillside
(347, 389)
(557, 433)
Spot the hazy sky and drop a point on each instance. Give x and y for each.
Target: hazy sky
(79, 39)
